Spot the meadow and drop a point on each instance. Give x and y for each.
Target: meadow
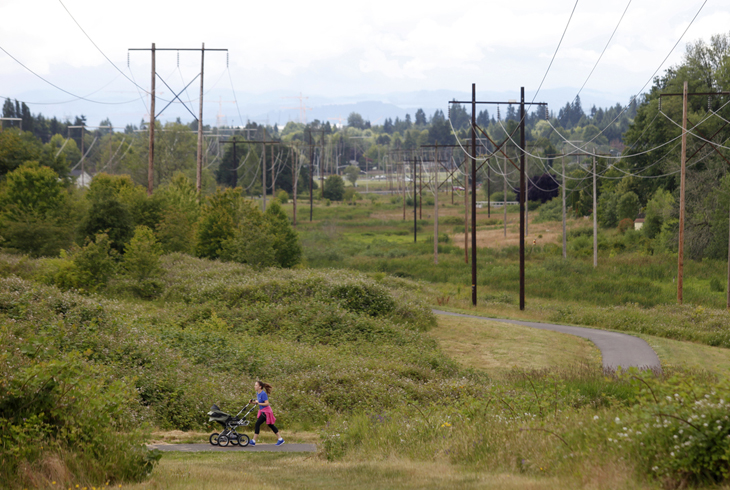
(393, 396)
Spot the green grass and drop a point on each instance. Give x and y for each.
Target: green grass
(290, 471)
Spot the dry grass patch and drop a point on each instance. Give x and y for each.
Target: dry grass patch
(276, 471)
(690, 355)
(496, 346)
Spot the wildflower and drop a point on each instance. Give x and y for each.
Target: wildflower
(617, 420)
(595, 417)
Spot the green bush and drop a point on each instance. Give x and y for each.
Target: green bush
(334, 188)
(67, 409)
(716, 285)
(452, 220)
(90, 267)
(142, 255)
(625, 224)
(282, 196)
(550, 211)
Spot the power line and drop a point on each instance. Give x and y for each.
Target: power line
(61, 89)
(603, 52)
(556, 51)
(650, 78)
(99, 49)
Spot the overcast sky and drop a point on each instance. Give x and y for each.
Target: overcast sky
(338, 50)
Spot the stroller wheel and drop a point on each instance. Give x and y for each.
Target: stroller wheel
(233, 438)
(223, 440)
(243, 440)
(213, 439)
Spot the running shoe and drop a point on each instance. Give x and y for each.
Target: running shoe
(252, 443)
(280, 442)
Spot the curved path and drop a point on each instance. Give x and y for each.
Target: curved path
(617, 349)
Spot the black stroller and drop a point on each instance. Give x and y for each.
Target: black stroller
(230, 425)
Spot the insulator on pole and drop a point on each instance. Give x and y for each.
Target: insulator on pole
(226, 59)
(127, 59)
(547, 113)
(498, 116)
(709, 103)
(178, 59)
(660, 104)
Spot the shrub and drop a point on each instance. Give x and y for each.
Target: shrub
(285, 239)
(716, 285)
(334, 188)
(90, 267)
(550, 211)
(142, 255)
(282, 196)
(67, 409)
(34, 210)
(625, 224)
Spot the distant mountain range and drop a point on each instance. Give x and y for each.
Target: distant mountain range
(280, 107)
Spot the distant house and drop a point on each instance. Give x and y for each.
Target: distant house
(638, 224)
(81, 179)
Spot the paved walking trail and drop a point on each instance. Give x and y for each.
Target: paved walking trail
(194, 448)
(617, 349)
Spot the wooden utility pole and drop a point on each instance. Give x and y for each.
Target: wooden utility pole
(595, 215)
(436, 210)
(437, 186)
(683, 160)
(295, 170)
(466, 211)
(83, 157)
(311, 179)
(522, 176)
(565, 242)
(527, 202)
(420, 191)
(415, 202)
(263, 171)
(273, 175)
(153, 116)
(474, 195)
(504, 197)
(404, 189)
(522, 198)
(235, 160)
(199, 173)
(151, 164)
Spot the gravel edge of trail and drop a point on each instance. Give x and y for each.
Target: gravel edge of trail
(617, 349)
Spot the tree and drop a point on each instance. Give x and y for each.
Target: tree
(334, 188)
(658, 211)
(34, 211)
(92, 266)
(355, 120)
(288, 251)
(219, 218)
(420, 118)
(352, 173)
(108, 213)
(142, 255)
(628, 206)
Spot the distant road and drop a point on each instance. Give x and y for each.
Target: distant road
(617, 349)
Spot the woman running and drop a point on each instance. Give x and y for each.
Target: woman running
(266, 415)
